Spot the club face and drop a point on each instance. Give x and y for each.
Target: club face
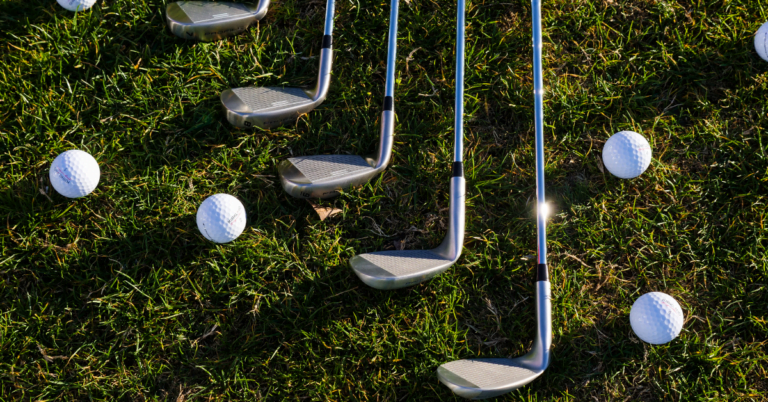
(266, 107)
(386, 270)
(488, 378)
(323, 176)
(208, 21)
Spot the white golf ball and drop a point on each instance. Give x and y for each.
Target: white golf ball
(76, 5)
(74, 173)
(627, 154)
(221, 218)
(761, 41)
(656, 318)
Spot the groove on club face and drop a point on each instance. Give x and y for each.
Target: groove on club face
(208, 21)
(269, 107)
(387, 270)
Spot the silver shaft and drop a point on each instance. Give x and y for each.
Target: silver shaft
(326, 56)
(389, 89)
(387, 130)
(538, 98)
(543, 341)
(458, 147)
(329, 10)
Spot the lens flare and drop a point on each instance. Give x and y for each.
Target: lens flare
(544, 210)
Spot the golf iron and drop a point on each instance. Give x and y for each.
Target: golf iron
(208, 21)
(489, 377)
(268, 107)
(397, 269)
(322, 176)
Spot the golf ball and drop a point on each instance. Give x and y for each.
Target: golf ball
(761, 41)
(221, 218)
(656, 318)
(74, 173)
(627, 154)
(76, 5)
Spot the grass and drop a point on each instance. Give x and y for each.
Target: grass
(117, 296)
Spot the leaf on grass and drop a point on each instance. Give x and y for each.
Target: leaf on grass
(205, 335)
(183, 394)
(600, 164)
(42, 189)
(47, 358)
(45, 194)
(69, 247)
(324, 212)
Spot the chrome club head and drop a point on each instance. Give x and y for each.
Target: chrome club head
(490, 377)
(485, 378)
(323, 176)
(388, 270)
(208, 21)
(268, 107)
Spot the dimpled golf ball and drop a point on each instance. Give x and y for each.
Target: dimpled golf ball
(627, 154)
(656, 318)
(761, 42)
(74, 173)
(221, 218)
(76, 5)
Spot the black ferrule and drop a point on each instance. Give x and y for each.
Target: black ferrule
(542, 273)
(457, 169)
(327, 41)
(389, 103)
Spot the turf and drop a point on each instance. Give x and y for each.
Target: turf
(117, 296)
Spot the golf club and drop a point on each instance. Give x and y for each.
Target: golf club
(487, 378)
(397, 269)
(268, 107)
(208, 21)
(322, 176)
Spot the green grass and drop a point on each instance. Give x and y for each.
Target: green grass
(117, 296)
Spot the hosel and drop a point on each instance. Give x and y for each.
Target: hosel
(539, 354)
(324, 74)
(386, 134)
(262, 10)
(454, 239)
